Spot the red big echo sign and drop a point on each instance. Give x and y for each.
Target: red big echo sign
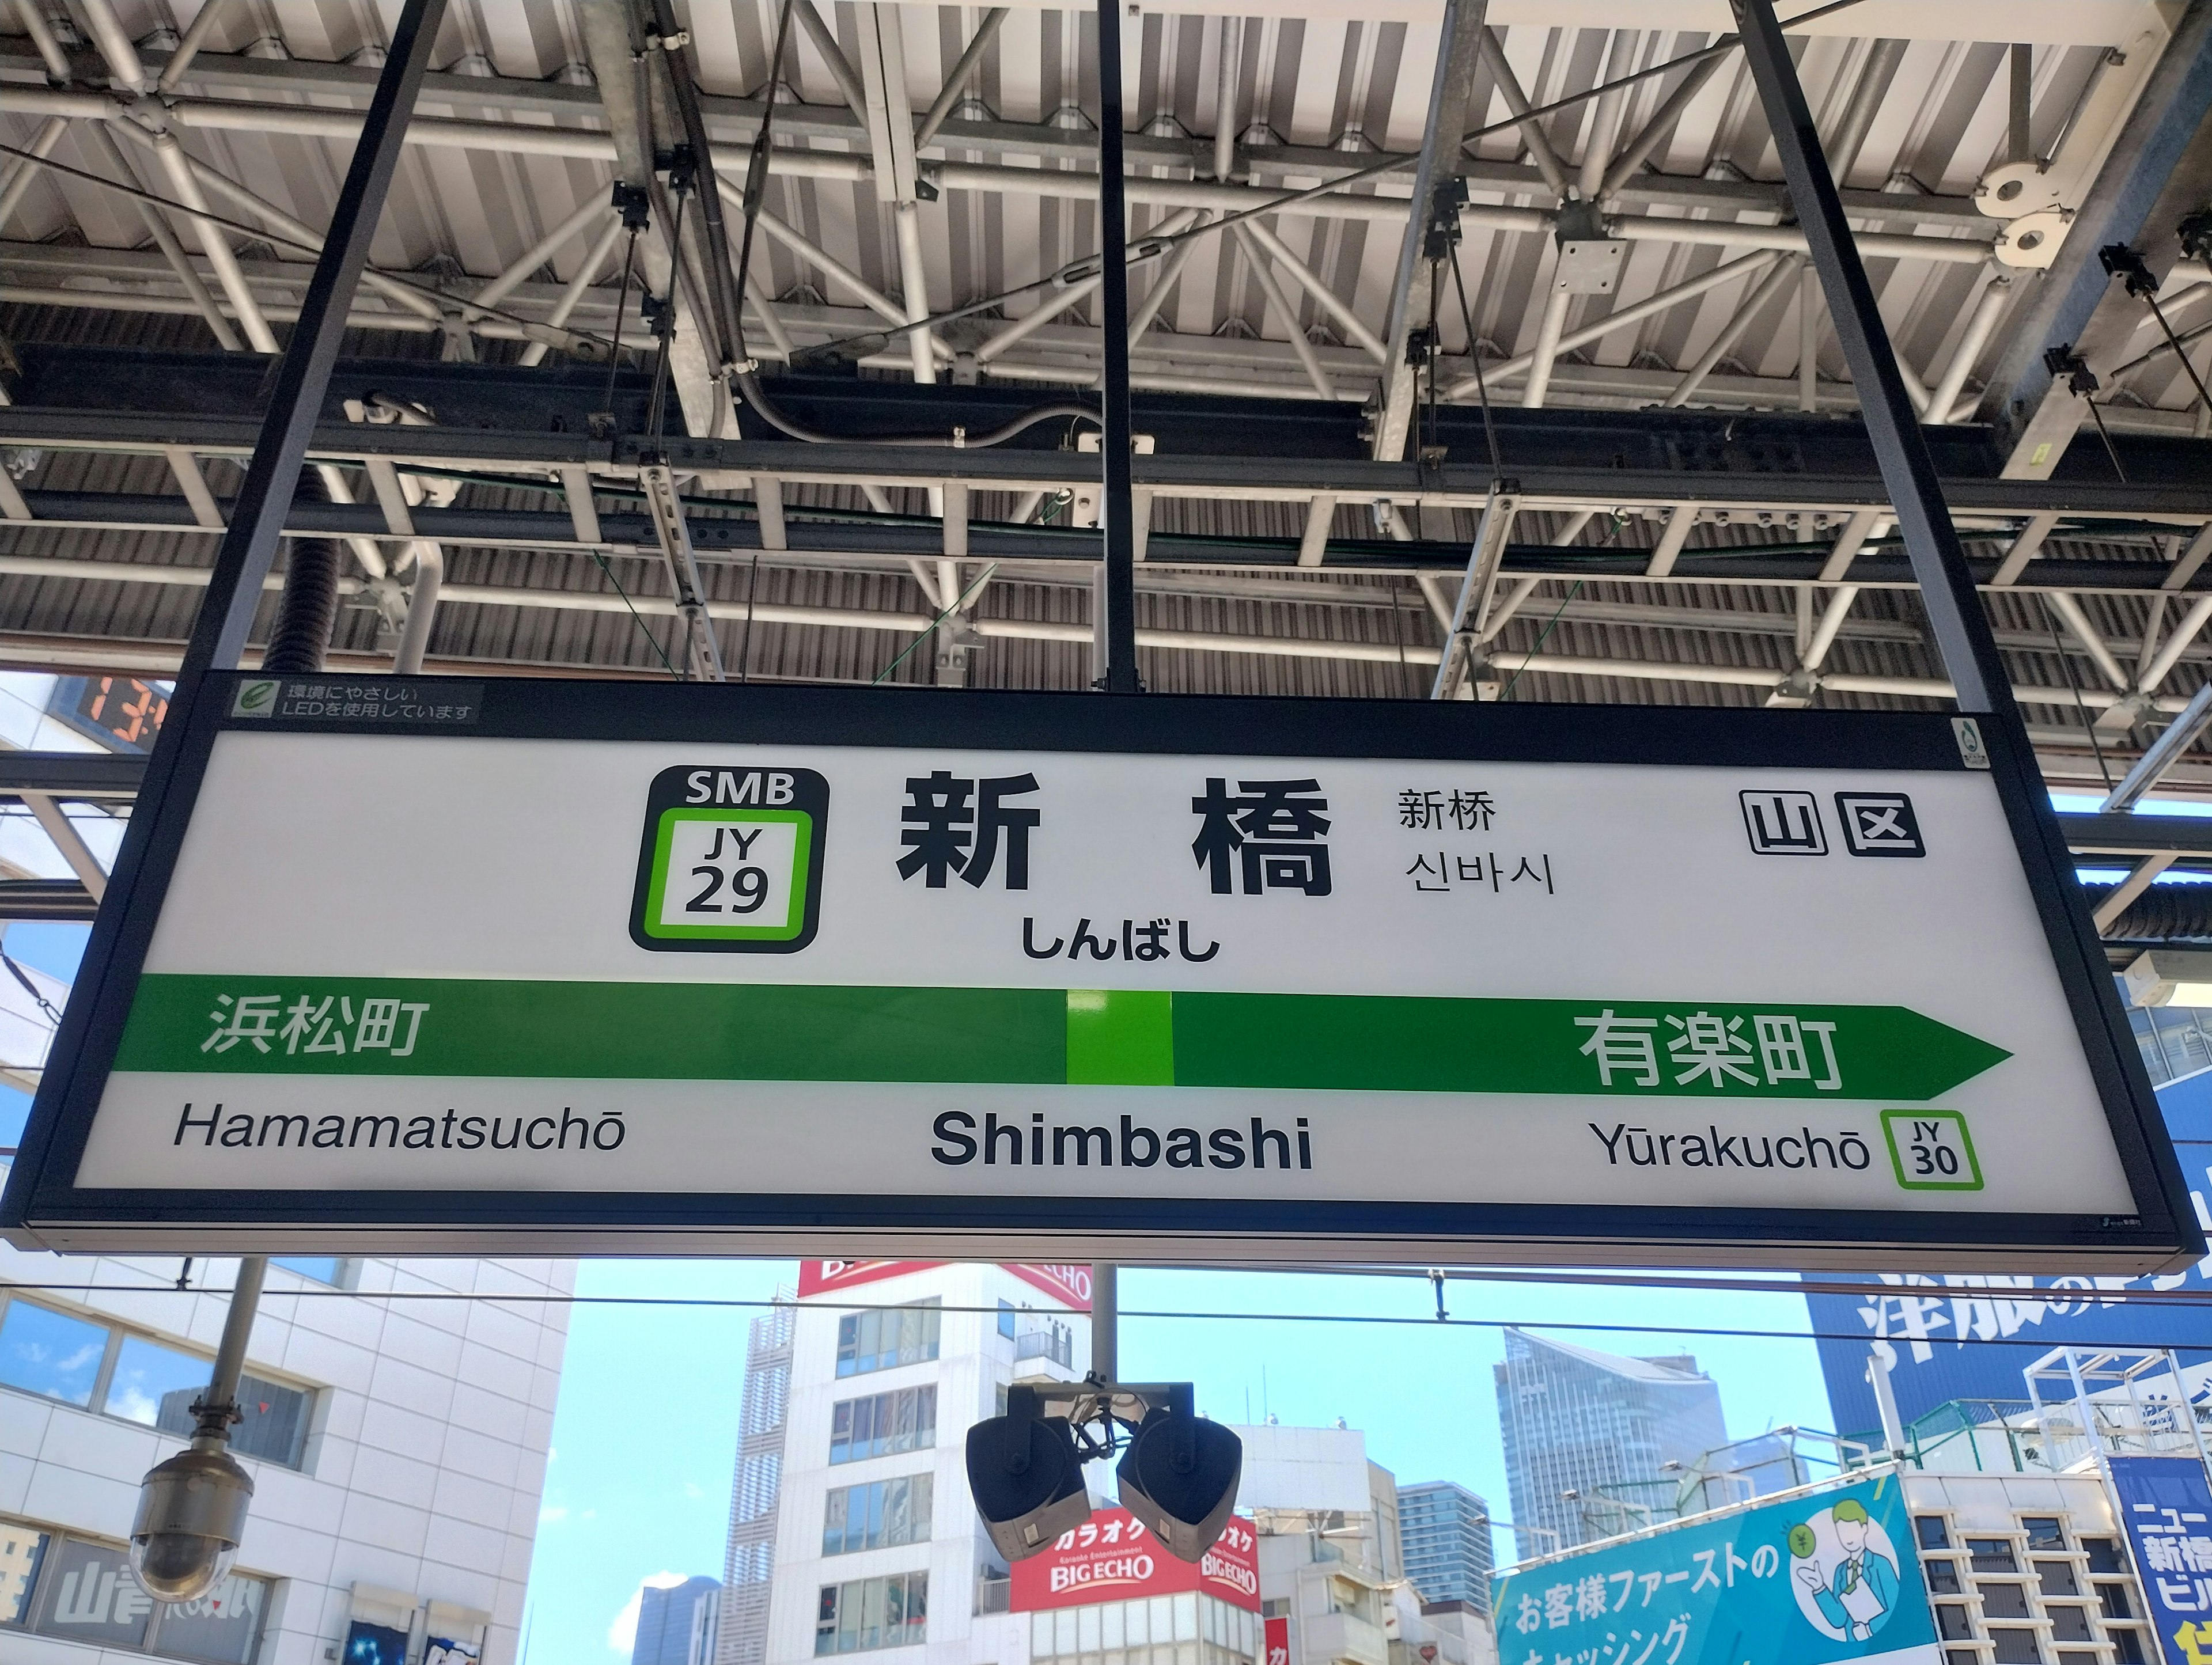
(1112, 1558)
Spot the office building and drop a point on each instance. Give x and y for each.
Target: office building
(676, 1625)
(397, 1450)
(852, 1496)
(1444, 1529)
(1586, 1431)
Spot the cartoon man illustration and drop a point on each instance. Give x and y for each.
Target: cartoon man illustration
(1858, 1593)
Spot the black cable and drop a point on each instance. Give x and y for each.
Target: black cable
(2105, 433)
(2174, 341)
(2081, 707)
(756, 166)
(663, 327)
(622, 305)
(745, 642)
(1474, 353)
(31, 989)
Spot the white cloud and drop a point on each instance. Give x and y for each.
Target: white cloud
(551, 1513)
(691, 1489)
(621, 1635)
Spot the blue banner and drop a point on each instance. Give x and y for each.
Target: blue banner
(1936, 1326)
(2166, 1507)
(1807, 1580)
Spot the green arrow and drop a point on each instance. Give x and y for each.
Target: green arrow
(783, 1032)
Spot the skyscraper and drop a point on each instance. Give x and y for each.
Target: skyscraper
(1445, 1529)
(1586, 1431)
(672, 1623)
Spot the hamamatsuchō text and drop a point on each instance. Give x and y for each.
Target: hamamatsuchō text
(240, 1130)
(961, 1140)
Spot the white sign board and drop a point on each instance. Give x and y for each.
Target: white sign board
(969, 974)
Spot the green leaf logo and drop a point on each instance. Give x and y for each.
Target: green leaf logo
(254, 699)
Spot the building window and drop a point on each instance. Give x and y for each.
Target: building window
(2015, 1648)
(1006, 1319)
(1952, 1622)
(2104, 1554)
(1931, 1531)
(79, 1589)
(1942, 1576)
(888, 1337)
(1992, 1555)
(43, 1351)
(873, 1613)
(2044, 1532)
(882, 1424)
(318, 1268)
(879, 1515)
(97, 1367)
(2002, 1601)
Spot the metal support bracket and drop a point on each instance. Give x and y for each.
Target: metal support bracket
(701, 652)
(1462, 673)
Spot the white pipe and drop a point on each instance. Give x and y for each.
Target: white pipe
(18, 182)
(42, 36)
(214, 243)
(1051, 307)
(538, 253)
(578, 286)
(1831, 624)
(116, 46)
(188, 276)
(1651, 307)
(1229, 51)
(422, 607)
(1942, 403)
(870, 296)
(2184, 633)
(2069, 610)
(914, 279)
(1548, 349)
(1746, 314)
(1272, 289)
(1164, 283)
(1310, 281)
(1605, 122)
(189, 48)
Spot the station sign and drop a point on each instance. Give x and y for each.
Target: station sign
(568, 967)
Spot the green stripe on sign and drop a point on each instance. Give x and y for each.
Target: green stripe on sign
(1122, 1037)
(1111, 1037)
(600, 1031)
(1677, 1048)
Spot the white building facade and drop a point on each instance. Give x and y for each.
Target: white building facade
(877, 1544)
(399, 1418)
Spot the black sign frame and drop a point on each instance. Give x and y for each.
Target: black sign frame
(42, 1207)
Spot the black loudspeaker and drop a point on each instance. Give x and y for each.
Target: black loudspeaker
(1027, 1481)
(1179, 1477)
